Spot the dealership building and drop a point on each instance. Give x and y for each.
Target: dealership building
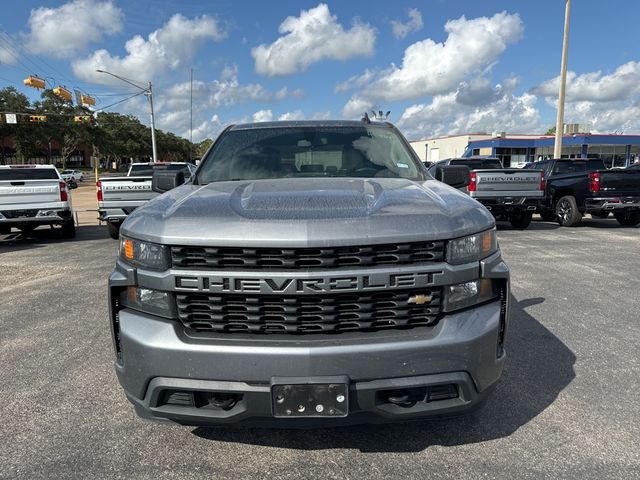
(617, 150)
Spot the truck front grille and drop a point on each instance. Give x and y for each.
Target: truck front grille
(228, 258)
(332, 313)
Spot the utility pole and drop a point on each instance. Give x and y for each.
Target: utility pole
(557, 149)
(154, 149)
(191, 117)
(148, 92)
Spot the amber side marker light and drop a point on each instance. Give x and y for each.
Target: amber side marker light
(487, 241)
(128, 249)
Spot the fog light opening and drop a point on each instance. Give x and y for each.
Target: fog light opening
(403, 397)
(442, 392)
(223, 401)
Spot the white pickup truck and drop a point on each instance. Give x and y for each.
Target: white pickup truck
(119, 196)
(34, 195)
(511, 194)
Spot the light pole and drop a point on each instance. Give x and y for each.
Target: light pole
(148, 92)
(557, 148)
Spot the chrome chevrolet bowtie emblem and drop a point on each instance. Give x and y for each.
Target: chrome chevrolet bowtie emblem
(420, 299)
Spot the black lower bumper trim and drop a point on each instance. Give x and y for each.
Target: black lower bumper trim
(368, 401)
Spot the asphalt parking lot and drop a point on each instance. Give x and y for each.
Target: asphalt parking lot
(567, 406)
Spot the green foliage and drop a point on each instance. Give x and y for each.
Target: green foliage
(203, 146)
(116, 137)
(551, 131)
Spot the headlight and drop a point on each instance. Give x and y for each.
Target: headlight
(150, 301)
(472, 293)
(472, 248)
(144, 254)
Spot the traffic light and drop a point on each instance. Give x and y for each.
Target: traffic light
(62, 93)
(37, 118)
(87, 101)
(83, 119)
(34, 81)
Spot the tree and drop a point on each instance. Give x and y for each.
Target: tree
(24, 136)
(203, 146)
(551, 131)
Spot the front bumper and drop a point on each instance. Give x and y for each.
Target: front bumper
(461, 350)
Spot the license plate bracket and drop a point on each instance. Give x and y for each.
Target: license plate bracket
(310, 400)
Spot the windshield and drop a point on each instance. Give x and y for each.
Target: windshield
(28, 174)
(478, 163)
(308, 151)
(147, 170)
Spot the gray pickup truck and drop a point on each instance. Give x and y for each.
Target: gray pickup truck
(511, 194)
(309, 274)
(119, 196)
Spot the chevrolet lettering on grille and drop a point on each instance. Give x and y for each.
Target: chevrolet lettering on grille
(315, 285)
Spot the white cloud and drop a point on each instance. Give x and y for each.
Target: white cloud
(446, 115)
(312, 37)
(430, 68)
(295, 115)
(609, 102)
(263, 116)
(594, 86)
(166, 48)
(357, 81)
(355, 107)
(224, 92)
(62, 31)
(206, 129)
(401, 30)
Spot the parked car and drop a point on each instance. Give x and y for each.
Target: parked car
(511, 194)
(34, 195)
(575, 187)
(77, 175)
(119, 196)
(311, 273)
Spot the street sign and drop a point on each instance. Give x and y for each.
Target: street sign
(11, 117)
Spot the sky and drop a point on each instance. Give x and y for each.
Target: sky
(440, 67)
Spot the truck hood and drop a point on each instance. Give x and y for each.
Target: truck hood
(307, 212)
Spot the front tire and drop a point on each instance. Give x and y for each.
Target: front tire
(114, 230)
(521, 221)
(567, 211)
(628, 219)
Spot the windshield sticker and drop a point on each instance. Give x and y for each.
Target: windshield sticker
(402, 165)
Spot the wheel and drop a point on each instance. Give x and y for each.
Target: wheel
(548, 216)
(600, 214)
(114, 230)
(521, 220)
(628, 218)
(69, 229)
(567, 211)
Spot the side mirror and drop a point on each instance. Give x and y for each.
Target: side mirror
(456, 176)
(165, 180)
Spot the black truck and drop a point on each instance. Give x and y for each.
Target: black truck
(580, 186)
